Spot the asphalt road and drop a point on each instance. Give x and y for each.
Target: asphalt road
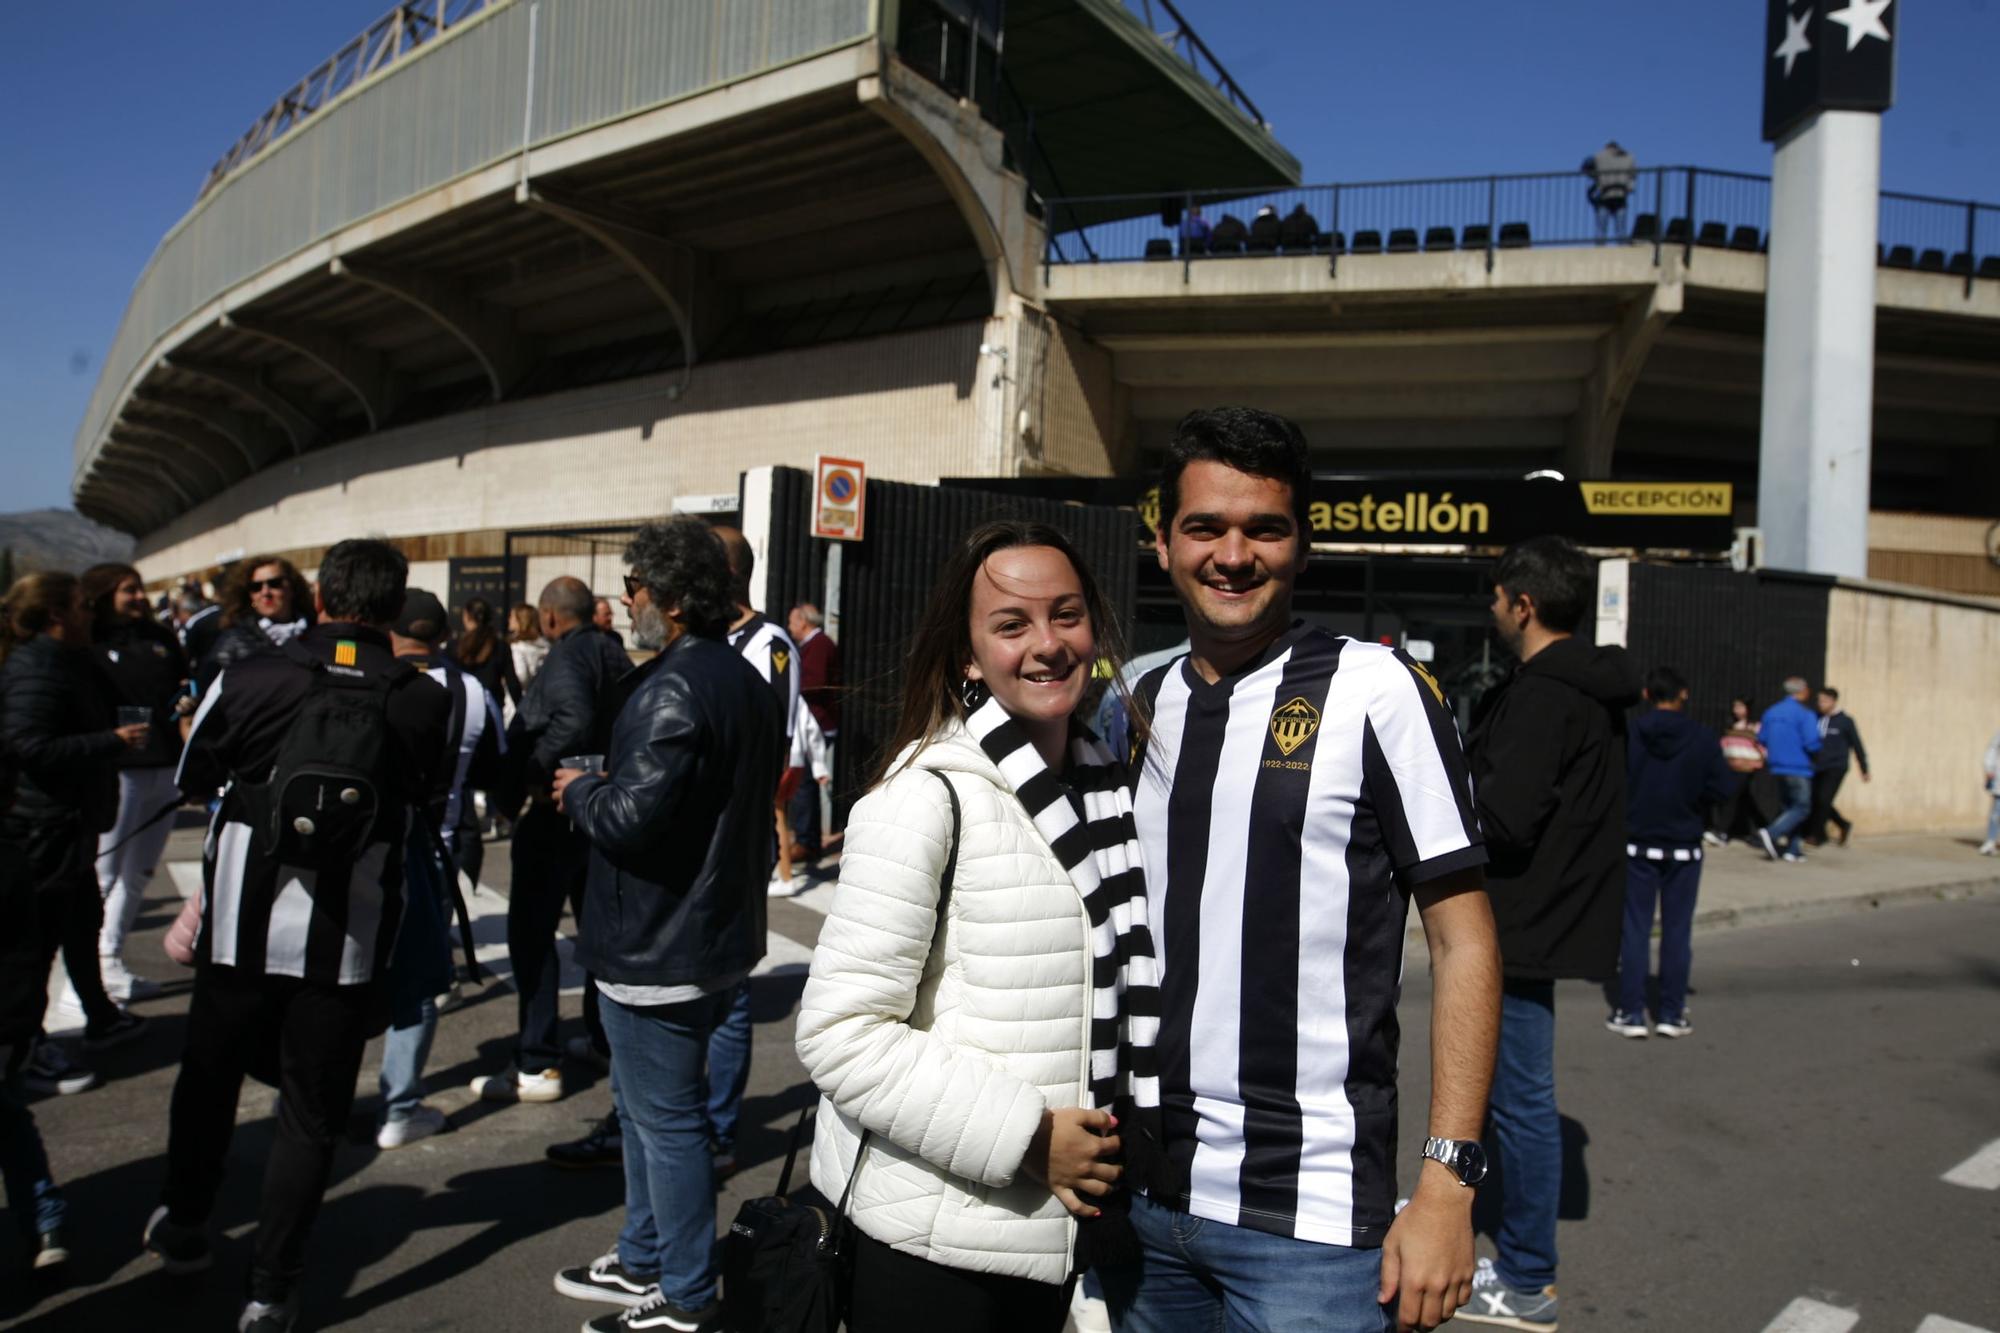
(1784, 1161)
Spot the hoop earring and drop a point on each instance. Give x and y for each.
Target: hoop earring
(973, 693)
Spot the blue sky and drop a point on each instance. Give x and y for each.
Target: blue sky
(111, 113)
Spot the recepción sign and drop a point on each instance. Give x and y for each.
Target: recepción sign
(1642, 515)
(840, 496)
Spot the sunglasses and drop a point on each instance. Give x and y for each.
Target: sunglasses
(267, 585)
(632, 585)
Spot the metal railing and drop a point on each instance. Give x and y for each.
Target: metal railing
(397, 32)
(1684, 208)
(1181, 38)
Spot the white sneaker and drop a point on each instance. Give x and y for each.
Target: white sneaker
(1989, 848)
(120, 983)
(1714, 839)
(421, 1123)
(1088, 1314)
(511, 1085)
(785, 888)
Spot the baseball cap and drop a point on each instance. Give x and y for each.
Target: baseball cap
(422, 616)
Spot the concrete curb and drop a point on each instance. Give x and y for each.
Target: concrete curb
(1806, 909)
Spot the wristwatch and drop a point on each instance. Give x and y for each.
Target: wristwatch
(1465, 1157)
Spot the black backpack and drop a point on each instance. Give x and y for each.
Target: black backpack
(337, 769)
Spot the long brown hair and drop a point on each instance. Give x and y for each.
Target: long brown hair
(236, 590)
(934, 667)
(477, 643)
(527, 623)
(99, 582)
(35, 602)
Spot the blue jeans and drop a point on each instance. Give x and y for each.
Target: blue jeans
(1194, 1275)
(1527, 1135)
(729, 1067)
(32, 1192)
(669, 1229)
(1993, 820)
(1798, 808)
(1673, 885)
(419, 970)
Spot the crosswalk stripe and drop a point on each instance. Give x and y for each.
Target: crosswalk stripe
(1937, 1323)
(1805, 1315)
(1981, 1171)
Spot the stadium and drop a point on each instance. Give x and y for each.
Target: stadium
(502, 277)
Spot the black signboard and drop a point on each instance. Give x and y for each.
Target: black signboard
(1826, 55)
(1392, 512)
(492, 578)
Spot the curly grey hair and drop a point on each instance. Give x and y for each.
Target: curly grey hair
(681, 560)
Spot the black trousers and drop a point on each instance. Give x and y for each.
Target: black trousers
(1825, 786)
(894, 1292)
(550, 860)
(319, 1032)
(60, 860)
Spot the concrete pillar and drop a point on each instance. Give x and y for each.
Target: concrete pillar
(1819, 345)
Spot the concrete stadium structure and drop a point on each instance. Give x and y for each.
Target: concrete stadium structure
(509, 264)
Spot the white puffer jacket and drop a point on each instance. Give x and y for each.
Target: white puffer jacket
(949, 1056)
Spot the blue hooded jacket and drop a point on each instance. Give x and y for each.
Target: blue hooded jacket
(1790, 737)
(1673, 772)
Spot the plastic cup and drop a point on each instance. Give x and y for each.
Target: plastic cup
(584, 763)
(131, 715)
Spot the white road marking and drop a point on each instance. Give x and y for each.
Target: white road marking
(1805, 1315)
(1981, 1171)
(1937, 1323)
(186, 876)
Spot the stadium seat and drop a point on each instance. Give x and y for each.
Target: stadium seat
(1989, 266)
(1514, 236)
(1403, 241)
(1477, 235)
(1744, 238)
(1646, 227)
(1712, 233)
(1159, 248)
(1960, 265)
(1333, 242)
(1901, 256)
(1368, 242)
(1677, 232)
(1440, 238)
(1931, 261)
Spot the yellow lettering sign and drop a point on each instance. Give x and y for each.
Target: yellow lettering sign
(1659, 497)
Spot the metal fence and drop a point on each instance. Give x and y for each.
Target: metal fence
(1685, 207)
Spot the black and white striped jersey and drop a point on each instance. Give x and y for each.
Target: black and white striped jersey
(1285, 812)
(330, 928)
(767, 647)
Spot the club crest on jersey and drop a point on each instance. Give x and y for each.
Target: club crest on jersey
(1428, 679)
(345, 653)
(780, 659)
(1292, 724)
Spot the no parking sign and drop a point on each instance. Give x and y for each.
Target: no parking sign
(839, 498)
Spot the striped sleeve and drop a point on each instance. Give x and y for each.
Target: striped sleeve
(1416, 774)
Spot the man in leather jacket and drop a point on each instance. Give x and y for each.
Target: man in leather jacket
(679, 829)
(561, 715)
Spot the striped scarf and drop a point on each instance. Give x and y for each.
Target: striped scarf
(1089, 825)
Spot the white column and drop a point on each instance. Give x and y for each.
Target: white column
(1819, 345)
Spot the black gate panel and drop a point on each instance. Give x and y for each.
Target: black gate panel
(887, 580)
(794, 560)
(1730, 634)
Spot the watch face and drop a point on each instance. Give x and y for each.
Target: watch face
(1471, 1163)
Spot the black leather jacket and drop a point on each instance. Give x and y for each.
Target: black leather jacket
(564, 711)
(57, 715)
(146, 667)
(680, 829)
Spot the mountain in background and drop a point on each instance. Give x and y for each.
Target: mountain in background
(60, 539)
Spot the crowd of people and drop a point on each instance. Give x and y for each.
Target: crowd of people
(1120, 1010)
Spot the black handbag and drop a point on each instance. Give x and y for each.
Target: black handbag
(785, 1259)
(787, 1262)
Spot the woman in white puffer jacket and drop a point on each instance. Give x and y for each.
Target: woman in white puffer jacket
(958, 1037)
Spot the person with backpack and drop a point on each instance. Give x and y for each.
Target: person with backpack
(322, 750)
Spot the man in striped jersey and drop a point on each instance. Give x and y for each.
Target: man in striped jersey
(1294, 792)
(290, 961)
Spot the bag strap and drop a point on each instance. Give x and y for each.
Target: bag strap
(937, 933)
(792, 1153)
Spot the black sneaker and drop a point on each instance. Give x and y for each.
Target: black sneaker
(52, 1073)
(607, 1280)
(117, 1032)
(50, 1252)
(603, 1146)
(267, 1317)
(659, 1315)
(182, 1249)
